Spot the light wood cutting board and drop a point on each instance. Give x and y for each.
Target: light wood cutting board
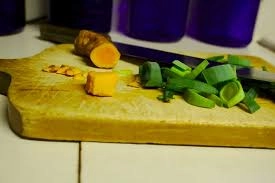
(55, 107)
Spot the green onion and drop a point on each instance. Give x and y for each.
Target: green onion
(194, 98)
(232, 93)
(219, 58)
(197, 70)
(237, 60)
(167, 73)
(181, 66)
(181, 73)
(179, 84)
(150, 75)
(166, 96)
(218, 101)
(218, 74)
(249, 101)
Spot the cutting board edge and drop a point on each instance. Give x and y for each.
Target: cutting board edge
(220, 136)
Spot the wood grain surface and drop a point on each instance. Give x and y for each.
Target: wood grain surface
(56, 107)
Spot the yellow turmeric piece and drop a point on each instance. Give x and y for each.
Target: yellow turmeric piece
(101, 83)
(99, 48)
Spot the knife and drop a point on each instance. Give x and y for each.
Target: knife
(5, 80)
(166, 58)
(61, 34)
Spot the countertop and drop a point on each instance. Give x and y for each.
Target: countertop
(32, 161)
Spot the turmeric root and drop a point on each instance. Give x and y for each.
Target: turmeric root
(101, 83)
(98, 48)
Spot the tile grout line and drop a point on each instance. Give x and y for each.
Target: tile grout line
(79, 161)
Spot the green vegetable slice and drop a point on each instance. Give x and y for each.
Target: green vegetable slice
(218, 101)
(166, 96)
(150, 75)
(232, 93)
(219, 58)
(179, 72)
(218, 74)
(181, 66)
(197, 70)
(249, 101)
(237, 60)
(179, 84)
(194, 98)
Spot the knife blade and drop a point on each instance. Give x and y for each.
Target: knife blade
(5, 80)
(165, 58)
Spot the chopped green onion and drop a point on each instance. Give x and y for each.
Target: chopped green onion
(194, 98)
(197, 70)
(166, 96)
(181, 73)
(219, 58)
(150, 75)
(181, 66)
(237, 60)
(232, 93)
(179, 84)
(167, 73)
(218, 74)
(249, 101)
(218, 101)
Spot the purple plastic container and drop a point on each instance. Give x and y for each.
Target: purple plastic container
(225, 23)
(157, 20)
(12, 16)
(94, 15)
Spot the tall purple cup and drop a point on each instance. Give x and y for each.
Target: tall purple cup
(12, 16)
(156, 20)
(223, 22)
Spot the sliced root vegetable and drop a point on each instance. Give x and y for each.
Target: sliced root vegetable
(99, 48)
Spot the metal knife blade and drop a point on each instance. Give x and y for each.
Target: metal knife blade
(5, 80)
(166, 58)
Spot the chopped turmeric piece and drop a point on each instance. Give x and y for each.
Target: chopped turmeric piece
(51, 68)
(101, 83)
(62, 69)
(98, 48)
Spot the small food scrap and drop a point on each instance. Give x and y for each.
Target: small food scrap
(136, 83)
(66, 70)
(99, 48)
(51, 68)
(101, 83)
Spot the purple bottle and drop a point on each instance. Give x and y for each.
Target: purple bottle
(225, 23)
(12, 16)
(157, 20)
(94, 15)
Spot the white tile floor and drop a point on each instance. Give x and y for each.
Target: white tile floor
(124, 163)
(34, 161)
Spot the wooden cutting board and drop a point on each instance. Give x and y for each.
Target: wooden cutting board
(56, 107)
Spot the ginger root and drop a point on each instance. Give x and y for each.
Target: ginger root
(98, 48)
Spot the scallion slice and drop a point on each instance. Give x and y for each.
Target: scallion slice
(218, 74)
(249, 101)
(194, 98)
(150, 75)
(232, 93)
(179, 84)
(237, 60)
(218, 101)
(197, 70)
(181, 66)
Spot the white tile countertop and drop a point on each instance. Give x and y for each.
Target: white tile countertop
(32, 161)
